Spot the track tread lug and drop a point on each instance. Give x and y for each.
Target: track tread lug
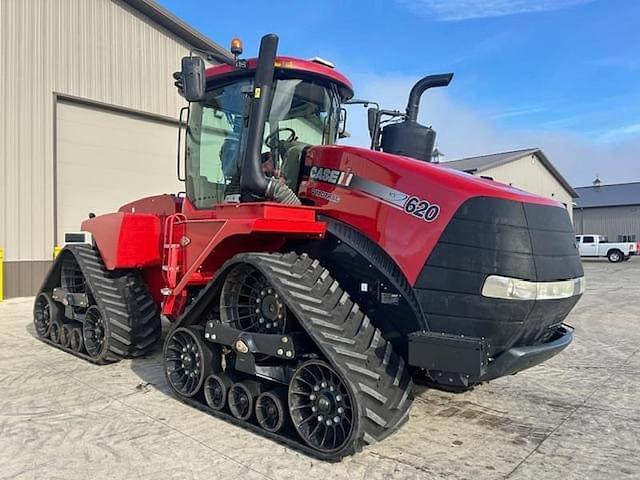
(373, 393)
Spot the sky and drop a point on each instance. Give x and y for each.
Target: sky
(561, 75)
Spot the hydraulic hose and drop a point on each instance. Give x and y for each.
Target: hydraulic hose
(281, 193)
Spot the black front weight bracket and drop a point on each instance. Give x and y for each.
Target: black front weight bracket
(449, 359)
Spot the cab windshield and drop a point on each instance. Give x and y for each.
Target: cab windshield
(302, 113)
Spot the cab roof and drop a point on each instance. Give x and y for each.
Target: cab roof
(288, 64)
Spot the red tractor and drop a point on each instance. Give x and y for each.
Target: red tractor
(310, 283)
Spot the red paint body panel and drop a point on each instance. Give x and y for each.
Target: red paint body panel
(161, 205)
(176, 249)
(408, 240)
(126, 240)
(289, 63)
(155, 242)
(216, 235)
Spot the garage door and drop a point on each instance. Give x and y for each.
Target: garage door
(106, 159)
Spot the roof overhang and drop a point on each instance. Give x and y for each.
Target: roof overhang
(179, 28)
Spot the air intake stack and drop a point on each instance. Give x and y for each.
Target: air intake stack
(408, 137)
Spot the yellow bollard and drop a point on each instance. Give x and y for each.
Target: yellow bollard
(1, 274)
(56, 251)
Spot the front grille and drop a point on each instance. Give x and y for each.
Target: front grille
(491, 236)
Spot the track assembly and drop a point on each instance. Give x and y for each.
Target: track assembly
(105, 315)
(326, 387)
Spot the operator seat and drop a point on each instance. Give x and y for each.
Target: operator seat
(291, 168)
(229, 156)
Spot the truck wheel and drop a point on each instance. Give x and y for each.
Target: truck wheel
(615, 256)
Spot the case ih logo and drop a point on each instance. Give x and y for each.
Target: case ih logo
(328, 175)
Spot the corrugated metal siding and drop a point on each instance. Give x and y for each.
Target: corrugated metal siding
(97, 49)
(530, 174)
(608, 221)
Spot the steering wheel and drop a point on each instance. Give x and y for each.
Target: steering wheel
(273, 139)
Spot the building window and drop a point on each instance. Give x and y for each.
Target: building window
(627, 238)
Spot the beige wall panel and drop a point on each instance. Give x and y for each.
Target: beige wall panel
(23, 279)
(102, 50)
(106, 159)
(530, 174)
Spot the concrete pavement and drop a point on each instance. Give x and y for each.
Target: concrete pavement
(577, 416)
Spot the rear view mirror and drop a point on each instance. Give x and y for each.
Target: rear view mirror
(372, 117)
(342, 124)
(193, 79)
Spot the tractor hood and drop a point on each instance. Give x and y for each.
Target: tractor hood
(401, 203)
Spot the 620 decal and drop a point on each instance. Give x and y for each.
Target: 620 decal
(422, 209)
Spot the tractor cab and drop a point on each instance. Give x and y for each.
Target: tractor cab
(298, 106)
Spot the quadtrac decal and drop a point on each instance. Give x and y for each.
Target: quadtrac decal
(331, 197)
(409, 204)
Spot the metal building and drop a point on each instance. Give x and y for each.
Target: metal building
(88, 118)
(609, 210)
(528, 170)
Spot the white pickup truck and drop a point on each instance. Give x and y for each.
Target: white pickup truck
(594, 245)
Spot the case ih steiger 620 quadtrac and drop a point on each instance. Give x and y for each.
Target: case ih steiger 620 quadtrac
(309, 283)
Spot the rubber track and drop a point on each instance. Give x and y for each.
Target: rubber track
(125, 303)
(378, 378)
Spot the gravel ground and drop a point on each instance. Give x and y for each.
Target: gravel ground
(577, 416)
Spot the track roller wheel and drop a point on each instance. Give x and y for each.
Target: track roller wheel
(188, 360)
(56, 331)
(270, 411)
(242, 397)
(65, 335)
(321, 407)
(75, 339)
(216, 389)
(45, 311)
(94, 332)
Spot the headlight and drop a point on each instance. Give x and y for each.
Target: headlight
(496, 286)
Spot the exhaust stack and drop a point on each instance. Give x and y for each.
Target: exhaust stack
(409, 138)
(252, 178)
(421, 86)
